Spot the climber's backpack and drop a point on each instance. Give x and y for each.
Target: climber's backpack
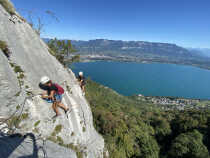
(60, 89)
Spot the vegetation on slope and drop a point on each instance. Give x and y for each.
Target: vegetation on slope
(4, 48)
(8, 6)
(138, 129)
(62, 50)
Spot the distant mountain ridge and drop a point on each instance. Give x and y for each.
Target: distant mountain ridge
(133, 48)
(130, 48)
(139, 51)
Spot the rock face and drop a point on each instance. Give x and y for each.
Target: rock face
(19, 95)
(29, 146)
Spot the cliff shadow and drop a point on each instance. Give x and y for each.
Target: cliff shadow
(16, 144)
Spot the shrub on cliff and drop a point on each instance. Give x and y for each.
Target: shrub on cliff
(4, 48)
(8, 6)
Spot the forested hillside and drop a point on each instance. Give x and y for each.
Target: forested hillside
(138, 129)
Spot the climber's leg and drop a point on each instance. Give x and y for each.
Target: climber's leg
(61, 105)
(55, 108)
(83, 88)
(58, 99)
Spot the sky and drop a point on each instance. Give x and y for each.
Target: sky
(183, 22)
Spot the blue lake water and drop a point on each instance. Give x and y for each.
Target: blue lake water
(152, 79)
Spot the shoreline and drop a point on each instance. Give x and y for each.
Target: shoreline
(94, 58)
(169, 97)
(168, 103)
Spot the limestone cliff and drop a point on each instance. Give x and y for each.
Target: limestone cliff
(19, 94)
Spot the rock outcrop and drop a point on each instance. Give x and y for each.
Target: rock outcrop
(19, 95)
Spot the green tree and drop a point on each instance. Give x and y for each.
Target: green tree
(63, 51)
(147, 145)
(189, 145)
(162, 128)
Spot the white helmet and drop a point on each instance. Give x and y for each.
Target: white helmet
(44, 79)
(81, 73)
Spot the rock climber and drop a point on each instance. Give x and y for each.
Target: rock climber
(81, 80)
(52, 93)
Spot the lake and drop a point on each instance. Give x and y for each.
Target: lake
(153, 79)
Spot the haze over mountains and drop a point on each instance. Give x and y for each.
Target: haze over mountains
(201, 51)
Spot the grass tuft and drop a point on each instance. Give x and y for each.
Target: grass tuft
(57, 130)
(3, 45)
(18, 69)
(77, 149)
(37, 123)
(60, 140)
(21, 76)
(24, 116)
(83, 129)
(17, 107)
(4, 48)
(15, 121)
(18, 94)
(8, 6)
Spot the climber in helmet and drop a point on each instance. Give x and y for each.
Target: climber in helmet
(81, 80)
(53, 93)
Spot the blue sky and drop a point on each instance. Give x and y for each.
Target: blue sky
(183, 22)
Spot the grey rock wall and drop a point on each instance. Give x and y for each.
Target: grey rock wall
(8, 85)
(31, 54)
(29, 146)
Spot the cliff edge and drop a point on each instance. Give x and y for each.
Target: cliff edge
(21, 107)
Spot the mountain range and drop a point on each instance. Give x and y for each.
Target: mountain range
(139, 51)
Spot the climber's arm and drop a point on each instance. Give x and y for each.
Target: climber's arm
(52, 93)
